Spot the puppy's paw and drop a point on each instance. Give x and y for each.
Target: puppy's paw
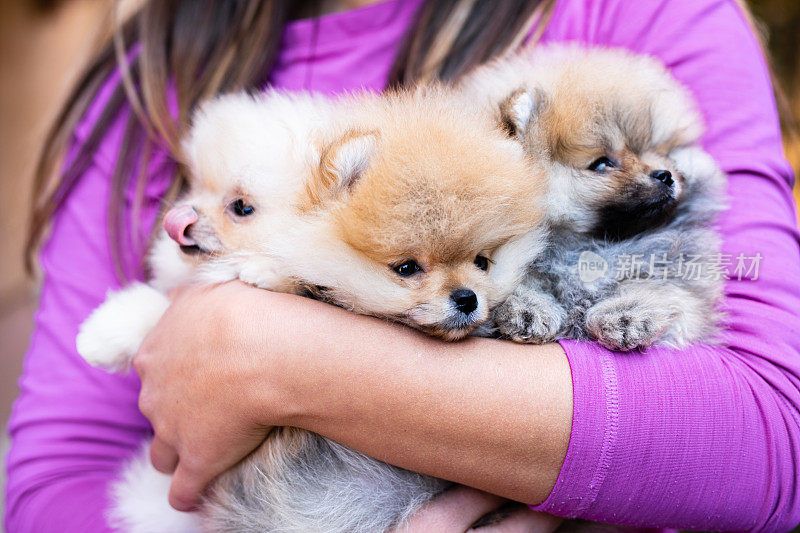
(534, 318)
(263, 273)
(624, 325)
(113, 332)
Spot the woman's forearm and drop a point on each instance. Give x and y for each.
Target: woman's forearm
(226, 362)
(485, 413)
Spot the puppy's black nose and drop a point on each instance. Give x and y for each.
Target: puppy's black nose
(466, 301)
(664, 176)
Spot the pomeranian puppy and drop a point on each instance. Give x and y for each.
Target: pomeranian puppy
(237, 144)
(413, 206)
(633, 258)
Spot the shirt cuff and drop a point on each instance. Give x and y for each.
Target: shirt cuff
(595, 428)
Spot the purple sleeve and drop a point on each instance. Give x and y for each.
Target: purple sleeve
(73, 425)
(707, 437)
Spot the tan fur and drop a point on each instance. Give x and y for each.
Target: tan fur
(323, 180)
(443, 185)
(592, 104)
(419, 175)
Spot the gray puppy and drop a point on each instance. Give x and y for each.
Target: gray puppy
(633, 259)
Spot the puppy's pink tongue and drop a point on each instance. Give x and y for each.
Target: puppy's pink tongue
(177, 220)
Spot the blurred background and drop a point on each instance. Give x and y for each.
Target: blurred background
(43, 44)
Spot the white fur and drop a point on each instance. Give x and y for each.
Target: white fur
(696, 163)
(352, 158)
(564, 199)
(141, 501)
(112, 334)
(522, 109)
(512, 258)
(168, 267)
(261, 143)
(325, 260)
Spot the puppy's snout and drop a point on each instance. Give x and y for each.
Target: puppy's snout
(664, 176)
(465, 300)
(177, 221)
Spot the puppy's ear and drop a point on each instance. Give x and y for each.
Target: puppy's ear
(341, 164)
(520, 108)
(345, 160)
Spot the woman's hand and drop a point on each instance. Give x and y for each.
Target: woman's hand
(205, 372)
(456, 510)
(227, 362)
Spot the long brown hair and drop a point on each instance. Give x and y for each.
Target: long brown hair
(205, 47)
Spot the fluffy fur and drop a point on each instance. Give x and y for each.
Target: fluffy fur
(440, 187)
(140, 500)
(115, 330)
(627, 181)
(300, 194)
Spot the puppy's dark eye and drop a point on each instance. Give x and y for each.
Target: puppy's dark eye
(602, 164)
(409, 267)
(482, 263)
(240, 208)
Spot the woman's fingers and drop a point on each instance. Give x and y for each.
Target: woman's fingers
(187, 484)
(198, 386)
(454, 511)
(163, 456)
(523, 520)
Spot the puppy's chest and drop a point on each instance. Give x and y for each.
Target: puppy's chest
(574, 269)
(580, 270)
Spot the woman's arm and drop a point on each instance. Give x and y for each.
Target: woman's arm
(485, 413)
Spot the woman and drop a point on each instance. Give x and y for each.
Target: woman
(704, 438)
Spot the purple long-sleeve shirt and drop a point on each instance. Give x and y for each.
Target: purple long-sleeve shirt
(707, 437)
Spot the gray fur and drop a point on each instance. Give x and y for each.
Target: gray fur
(530, 316)
(298, 481)
(624, 309)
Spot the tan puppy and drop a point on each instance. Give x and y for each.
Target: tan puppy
(422, 214)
